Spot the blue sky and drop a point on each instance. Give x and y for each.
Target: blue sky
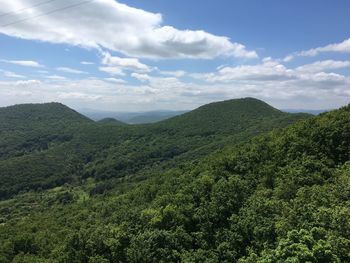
(147, 55)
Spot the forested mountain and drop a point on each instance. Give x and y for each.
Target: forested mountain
(132, 117)
(29, 127)
(283, 196)
(49, 144)
(152, 116)
(111, 121)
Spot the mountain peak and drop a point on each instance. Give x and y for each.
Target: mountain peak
(53, 113)
(227, 116)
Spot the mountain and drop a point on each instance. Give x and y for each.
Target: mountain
(76, 149)
(26, 116)
(131, 117)
(227, 116)
(282, 196)
(111, 121)
(30, 127)
(152, 116)
(313, 112)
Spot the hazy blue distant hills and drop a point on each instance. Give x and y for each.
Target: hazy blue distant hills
(152, 116)
(131, 117)
(160, 115)
(313, 112)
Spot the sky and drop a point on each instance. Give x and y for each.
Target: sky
(174, 55)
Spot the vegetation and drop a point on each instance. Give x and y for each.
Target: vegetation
(54, 145)
(283, 196)
(111, 121)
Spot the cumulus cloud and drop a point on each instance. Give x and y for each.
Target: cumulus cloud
(118, 27)
(273, 71)
(274, 82)
(323, 65)
(25, 63)
(342, 47)
(116, 65)
(175, 73)
(268, 70)
(112, 71)
(78, 95)
(141, 77)
(288, 88)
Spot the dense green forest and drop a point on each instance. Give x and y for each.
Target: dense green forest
(228, 182)
(48, 145)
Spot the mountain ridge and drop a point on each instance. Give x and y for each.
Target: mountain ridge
(67, 151)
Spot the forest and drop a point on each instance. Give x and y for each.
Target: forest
(232, 181)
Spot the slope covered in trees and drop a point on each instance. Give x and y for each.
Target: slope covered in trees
(280, 197)
(49, 144)
(29, 127)
(111, 121)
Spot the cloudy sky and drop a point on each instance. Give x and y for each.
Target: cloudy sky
(146, 55)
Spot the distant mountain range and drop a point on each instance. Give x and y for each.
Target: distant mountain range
(156, 116)
(313, 112)
(131, 117)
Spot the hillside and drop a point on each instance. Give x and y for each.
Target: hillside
(25, 116)
(152, 116)
(111, 121)
(76, 149)
(280, 197)
(226, 117)
(31, 127)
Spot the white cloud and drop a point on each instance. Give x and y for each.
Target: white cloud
(301, 90)
(10, 74)
(78, 95)
(124, 63)
(141, 77)
(25, 63)
(87, 63)
(342, 47)
(114, 80)
(268, 70)
(56, 77)
(116, 65)
(27, 83)
(323, 65)
(175, 73)
(112, 71)
(118, 27)
(70, 70)
(274, 82)
(288, 58)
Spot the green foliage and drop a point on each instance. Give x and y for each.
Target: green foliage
(283, 196)
(111, 121)
(48, 145)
